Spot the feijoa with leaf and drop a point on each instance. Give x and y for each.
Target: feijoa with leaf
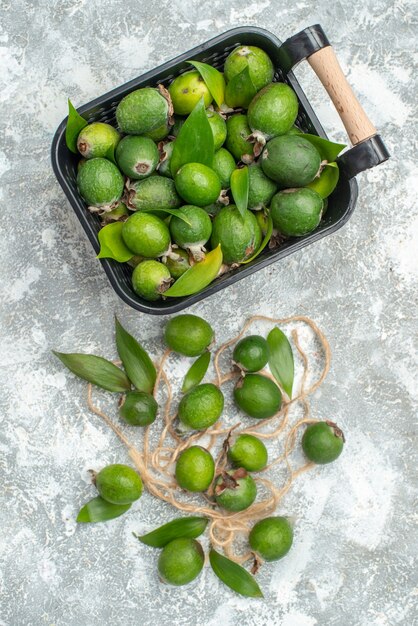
(187, 90)
(213, 79)
(240, 90)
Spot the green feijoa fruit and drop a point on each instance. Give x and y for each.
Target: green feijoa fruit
(201, 407)
(188, 334)
(178, 262)
(97, 139)
(271, 538)
(181, 561)
(272, 111)
(119, 484)
(142, 111)
(323, 442)
(146, 235)
(238, 236)
(218, 126)
(192, 236)
(251, 353)
(237, 142)
(195, 469)
(165, 159)
(154, 192)
(137, 156)
(248, 452)
(160, 133)
(235, 490)
(197, 184)
(260, 67)
(261, 189)
(296, 212)
(139, 408)
(186, 91)
(100, 182)
(224, 164)
(150, 279)
(291, 161)
(258, 396)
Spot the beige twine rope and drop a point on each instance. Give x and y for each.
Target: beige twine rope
(156, 466)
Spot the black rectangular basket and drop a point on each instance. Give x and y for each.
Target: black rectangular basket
(102, 109)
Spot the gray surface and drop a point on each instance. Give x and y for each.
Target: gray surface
(353, 559)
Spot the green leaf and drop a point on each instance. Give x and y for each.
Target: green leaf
(234, 576)
(112, 246)
(240, 186)
(265, 241)
(99, 510)
(196, 372)
(281, 359)
(190, 527)
(96, 370)
(194, 143)
(136, 361)
(240, 90)
(327, 181)
(214, 80)
(176, 212)
(75, 124)
(198, 276)
(327, 149)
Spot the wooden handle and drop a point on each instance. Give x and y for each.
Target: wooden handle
(357, 124)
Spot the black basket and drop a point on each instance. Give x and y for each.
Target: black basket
(341, 202)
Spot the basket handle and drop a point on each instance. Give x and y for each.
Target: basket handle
(312, 44)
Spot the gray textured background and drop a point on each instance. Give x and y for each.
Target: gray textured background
(355, 545)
